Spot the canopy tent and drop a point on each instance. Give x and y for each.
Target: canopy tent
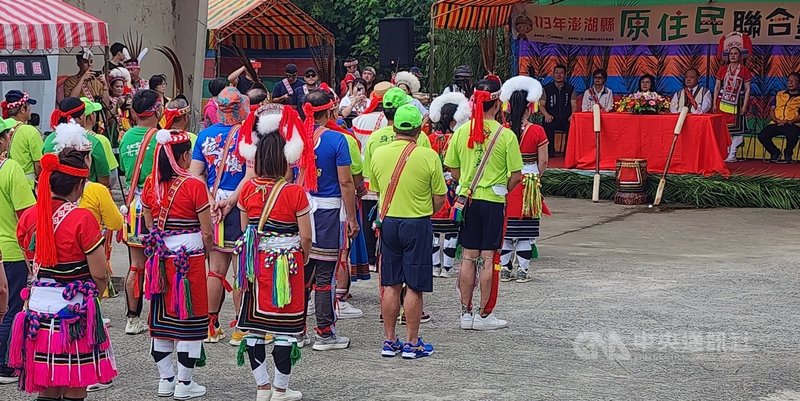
(263, 24)
(48, 25)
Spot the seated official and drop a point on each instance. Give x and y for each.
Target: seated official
(647, 84)
(693, 96)
(784, 114)
(598, 93)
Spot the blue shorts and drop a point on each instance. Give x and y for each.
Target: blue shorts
(482, 229)
(406, 251)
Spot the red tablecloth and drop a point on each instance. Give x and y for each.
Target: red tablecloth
(701, 148)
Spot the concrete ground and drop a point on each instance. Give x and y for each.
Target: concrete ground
(628, 303)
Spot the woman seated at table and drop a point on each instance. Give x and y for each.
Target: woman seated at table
(647, 84)
(598, 93)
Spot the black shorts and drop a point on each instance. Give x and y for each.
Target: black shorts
(482, 229)
(233, 227)
(406, 250)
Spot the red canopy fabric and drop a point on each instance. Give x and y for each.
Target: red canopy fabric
(48, 25)
(472, 14)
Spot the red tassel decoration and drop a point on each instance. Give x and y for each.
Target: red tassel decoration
(476, 134)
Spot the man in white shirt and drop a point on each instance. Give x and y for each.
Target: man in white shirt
(693, 96)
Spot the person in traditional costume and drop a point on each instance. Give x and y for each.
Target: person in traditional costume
(59, 341)
(210, 109)
(120, 116)
(448, 112)
(485, 158)
(598, 94)
(15, 197)
(354, 250)
(87, 82)
(177, 210)
(692, 95)
(178, 116)
(732, 89)
(274, 248)
(136, 152)
(410, 83)
(351, 66)
(215, 157)
(524, 205)
(333, 195)
(95, 197)
(134, 67)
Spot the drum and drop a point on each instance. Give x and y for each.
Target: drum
(631, 182)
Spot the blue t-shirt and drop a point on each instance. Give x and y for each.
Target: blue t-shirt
(331, 153)
(208, 150)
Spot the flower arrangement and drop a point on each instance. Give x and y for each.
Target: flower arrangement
(643, 103)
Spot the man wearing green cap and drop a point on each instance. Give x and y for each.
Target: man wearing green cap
(99, 171)
(92, 108)
(15, 197)
(411, 186)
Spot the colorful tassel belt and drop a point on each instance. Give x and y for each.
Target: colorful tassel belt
(157, 251)
(280, 250)
(531, 196)
(76, 319)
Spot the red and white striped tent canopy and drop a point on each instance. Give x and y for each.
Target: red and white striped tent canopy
(48, 25)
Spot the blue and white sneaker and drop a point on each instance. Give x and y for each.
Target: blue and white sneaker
(391, 349)
(421, 349)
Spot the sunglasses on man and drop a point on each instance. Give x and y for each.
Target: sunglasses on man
(311, 75)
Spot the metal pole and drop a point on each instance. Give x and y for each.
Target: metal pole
(431, 65)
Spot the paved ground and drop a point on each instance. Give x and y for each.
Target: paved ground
(628, 304)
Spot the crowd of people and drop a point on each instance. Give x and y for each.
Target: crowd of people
(282, 199)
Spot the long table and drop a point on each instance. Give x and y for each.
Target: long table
(701, 148)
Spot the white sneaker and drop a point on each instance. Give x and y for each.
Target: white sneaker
(329, 343)
(467, 321)
(437, 271)
(166, 388)
(263, 395)
(135, 326)
(731, 158)
(311, 304)
(448, 273)
(303, 341)
(490, 322)
(188, 391)
(99, 386)
(288, 395)
(347, 311)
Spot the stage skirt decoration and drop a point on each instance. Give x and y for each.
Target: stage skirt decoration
(176, 284)
(60, 339)
(272, 282)
(631, 182)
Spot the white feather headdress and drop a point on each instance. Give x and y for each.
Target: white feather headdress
(407, 78)
(269, 123)
(521, 83)
(462, 113)
(70, 135)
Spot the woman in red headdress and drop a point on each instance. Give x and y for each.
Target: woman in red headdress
(59, 342)
(732, 90)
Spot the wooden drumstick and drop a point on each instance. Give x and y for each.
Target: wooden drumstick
(678, 129)
(596, 185)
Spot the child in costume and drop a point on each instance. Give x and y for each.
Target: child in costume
(274, 247)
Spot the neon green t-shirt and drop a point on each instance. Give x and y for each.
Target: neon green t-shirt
(109, 151)
(420, 179)
(129, 150)
(504, 160)
(26, 148)
(15, 195)
(356, 164)
(99, 160)
(385, 136)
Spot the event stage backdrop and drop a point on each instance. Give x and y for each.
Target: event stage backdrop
(663, 41)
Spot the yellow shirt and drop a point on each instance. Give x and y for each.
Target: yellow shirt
(504, 160)
(385, 136)
(420, 179)
(97, 199)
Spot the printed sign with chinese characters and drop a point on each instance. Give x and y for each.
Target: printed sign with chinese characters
(24, 68)
(767, 23)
